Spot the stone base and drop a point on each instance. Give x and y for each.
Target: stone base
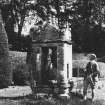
(64, 96)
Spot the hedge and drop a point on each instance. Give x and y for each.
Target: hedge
(19, 67)
(81, 65)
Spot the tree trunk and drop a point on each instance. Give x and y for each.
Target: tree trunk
(5, 70)
(20, 26)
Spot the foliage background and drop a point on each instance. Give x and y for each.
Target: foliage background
(85, 18)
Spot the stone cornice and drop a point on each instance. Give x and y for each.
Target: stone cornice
(51, 41)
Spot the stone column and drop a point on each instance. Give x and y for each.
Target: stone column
(38, 65)
(62, 73)
(5, 70)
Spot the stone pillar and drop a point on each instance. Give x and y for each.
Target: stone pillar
(64, 63)
(38, 65)
(5, 70)
(62, 73)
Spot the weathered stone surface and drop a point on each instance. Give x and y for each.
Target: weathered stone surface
(47, 33)
(5, 70)
(49, 41)
(50, 33)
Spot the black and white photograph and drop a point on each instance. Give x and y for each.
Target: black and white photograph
(52, 52)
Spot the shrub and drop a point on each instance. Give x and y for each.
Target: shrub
(79, 56)
(102, 59)
(4, 83)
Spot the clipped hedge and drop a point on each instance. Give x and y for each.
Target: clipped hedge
(21, 75)
(79, 56)
(17, 58)
(81, 65)
(3, 81)
(19, 67)
(101, 59)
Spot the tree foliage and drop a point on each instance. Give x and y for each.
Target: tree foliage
(86, 18)
(14, 14)
(88, 28)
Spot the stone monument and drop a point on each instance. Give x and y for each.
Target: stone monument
(52, 52)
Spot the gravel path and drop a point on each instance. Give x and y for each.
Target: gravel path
(15, 91)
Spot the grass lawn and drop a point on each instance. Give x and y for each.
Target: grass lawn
(74, 98)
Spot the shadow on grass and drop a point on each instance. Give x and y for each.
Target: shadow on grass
(75, 99)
